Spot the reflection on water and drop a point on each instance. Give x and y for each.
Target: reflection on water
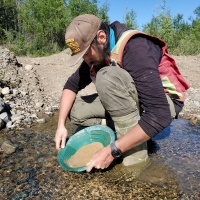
(180, 150)
(32, 172)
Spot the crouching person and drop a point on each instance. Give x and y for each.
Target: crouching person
(139, 88)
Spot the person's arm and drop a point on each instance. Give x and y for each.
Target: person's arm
(67, 100)
(77, 81)
(141, 59)
(132, 138)
(103, 158)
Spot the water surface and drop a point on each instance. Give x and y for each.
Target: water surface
(32, 172)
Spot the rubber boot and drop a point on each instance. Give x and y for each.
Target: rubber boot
(122, 126)
(135, 160)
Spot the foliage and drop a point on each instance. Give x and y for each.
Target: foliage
(181, 37)
(37, 27)
(130, 19)
(161, 25)
(197, 12)
(78, 7)
(8, 18)
(102, 14)
(42, 25)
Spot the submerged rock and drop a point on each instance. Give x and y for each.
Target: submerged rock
(7, 147)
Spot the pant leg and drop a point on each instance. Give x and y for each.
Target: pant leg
(119, 96)
(88, 111)
(117, 91)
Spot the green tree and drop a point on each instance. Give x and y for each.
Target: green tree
(78, 7)
(182, 38)
(37, 27)
(197, 12)
(8, 18)
(188, 35)
(161, 25)
(181, 28)
(103, 12)
(130, 19)
(42, 27)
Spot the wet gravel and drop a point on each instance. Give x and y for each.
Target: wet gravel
(33, 172)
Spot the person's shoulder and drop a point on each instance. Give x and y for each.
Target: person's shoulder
(119, 29)
(143, 39)
(137, 40)
(114, 23)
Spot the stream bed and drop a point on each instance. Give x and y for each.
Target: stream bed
(33, 172)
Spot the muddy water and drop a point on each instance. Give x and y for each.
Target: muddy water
(32, 172)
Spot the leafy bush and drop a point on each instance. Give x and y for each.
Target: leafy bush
(37, 28)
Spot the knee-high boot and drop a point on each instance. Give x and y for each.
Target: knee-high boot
(122, 126)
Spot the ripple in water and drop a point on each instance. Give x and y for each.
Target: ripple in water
(33, 172)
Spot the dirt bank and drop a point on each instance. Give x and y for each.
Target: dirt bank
(53, 74)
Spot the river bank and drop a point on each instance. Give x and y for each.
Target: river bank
(31, 87)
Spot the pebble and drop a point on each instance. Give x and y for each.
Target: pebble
(5, 91)
(2, 105)
(28, 67)
(43, 120)
(4, 116)
(1, 123)
(8, 148)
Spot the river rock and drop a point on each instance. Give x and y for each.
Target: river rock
(8, 148)
(1, 123)
(49, 113)
(9, 125)
(4, 116)
(16, 117)
(28, 67)
(15, 92)
(2, 105)
(5, 91)
(42, 120)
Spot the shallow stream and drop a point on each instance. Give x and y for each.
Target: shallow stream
(32, 172)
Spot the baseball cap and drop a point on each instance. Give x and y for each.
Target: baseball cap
(80, 34)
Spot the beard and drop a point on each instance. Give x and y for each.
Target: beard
(99, 65)
(105, 55)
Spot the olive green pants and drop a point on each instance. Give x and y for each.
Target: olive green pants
(117, 97)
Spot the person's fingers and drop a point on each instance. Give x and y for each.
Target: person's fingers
(63, 141)
(90, 166)
(57, 143)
